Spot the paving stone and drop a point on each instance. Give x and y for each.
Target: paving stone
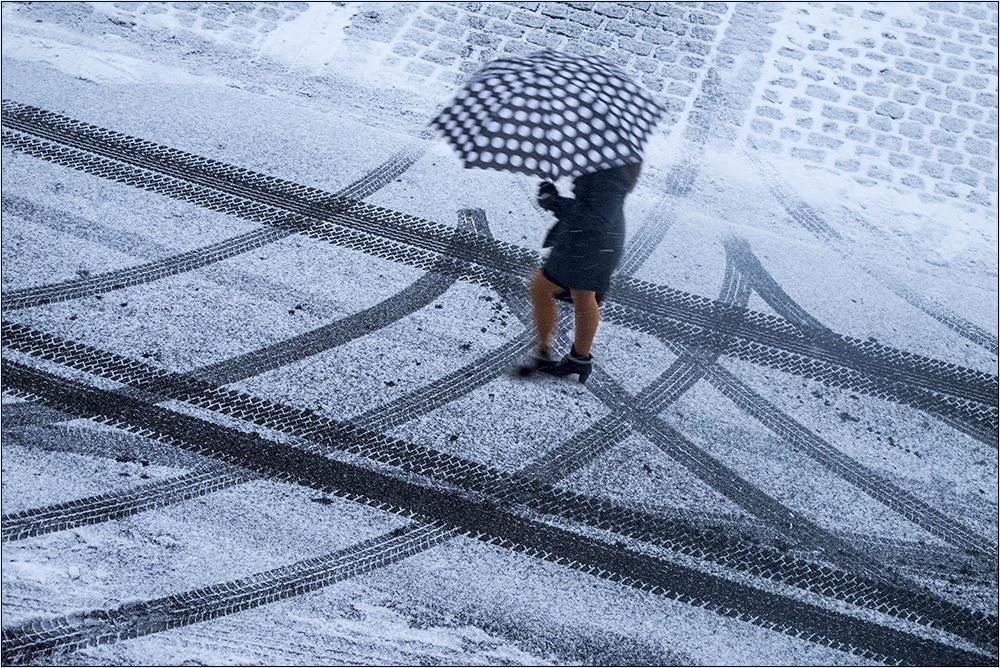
(451, 30)
(421, 37)
(921, 116)
(946, 189)
(958, 93)
(598, 37)
(484, 39)
(643, 18)
(801, 103)
(846, 83)
(861, 102)
(879, 123)
(669, 9)
(704, 18)
(921, 150)
(929, 86)
(695, 47)
(442, 11)
(812, 155)
(611, 9)
(438, 57)
(876, 89)
(879, 173)
(544, 39)
(966, 176)
(635, 46)
(475, 21)
(505, 29)
(823, 93)
(656, 36)
(527, 19)
(424, 23)
(518, 48)
(894, 49)
(421, 68)
(889, 142)
(987, 99)
(496, 10)
(859, 135)
(405, 49)
(982, 164)
(900, 161)
(621, 28)
(824, 141)
(911, 130)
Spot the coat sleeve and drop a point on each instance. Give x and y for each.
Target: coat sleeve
(550, 200)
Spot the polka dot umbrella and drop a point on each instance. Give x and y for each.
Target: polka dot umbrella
(549, 115)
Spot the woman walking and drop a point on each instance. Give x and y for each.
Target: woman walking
(587, 243)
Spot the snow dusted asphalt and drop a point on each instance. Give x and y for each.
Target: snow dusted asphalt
(258, 325)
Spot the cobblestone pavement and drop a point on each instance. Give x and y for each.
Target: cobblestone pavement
(913, 103)
(258, 404)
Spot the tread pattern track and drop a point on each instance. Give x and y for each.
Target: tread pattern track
(761, 339)
(24, 643)
(144, 273)
(200, 257)
(483, 521)
(810, 219)
(116, 505)
(410, 299)
(457, 250)
(325, 437)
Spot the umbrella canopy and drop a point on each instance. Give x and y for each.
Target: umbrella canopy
(549, 115)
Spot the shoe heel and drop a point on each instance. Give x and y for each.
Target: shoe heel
(585, 374)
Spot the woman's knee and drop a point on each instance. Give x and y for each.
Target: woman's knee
(542, 286)
(584, 299)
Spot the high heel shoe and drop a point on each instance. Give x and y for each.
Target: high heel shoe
(538, 360)
(572, 362)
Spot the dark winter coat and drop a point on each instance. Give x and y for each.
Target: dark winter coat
(589, 236)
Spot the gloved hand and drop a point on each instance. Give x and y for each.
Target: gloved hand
(547, 195)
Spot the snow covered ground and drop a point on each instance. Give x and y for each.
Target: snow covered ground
(784, 174)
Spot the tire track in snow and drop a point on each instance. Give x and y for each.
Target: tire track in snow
(407, 301)
(119, 504)
(27, 642)
(423, 240)
(200, 257)
(480, 520)
(325, 437)
(806, 216)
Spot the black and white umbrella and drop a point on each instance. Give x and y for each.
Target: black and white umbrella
(549, 115)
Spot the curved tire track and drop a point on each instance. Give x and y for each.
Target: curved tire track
(407, 301)
(483, 521)
(116, 505)
(271, 196)
(810, 219)
(145, 273)
(25, 643)
(326, 437)
(200, 257)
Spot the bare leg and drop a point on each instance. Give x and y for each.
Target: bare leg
(542, 292)
(586, 317)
